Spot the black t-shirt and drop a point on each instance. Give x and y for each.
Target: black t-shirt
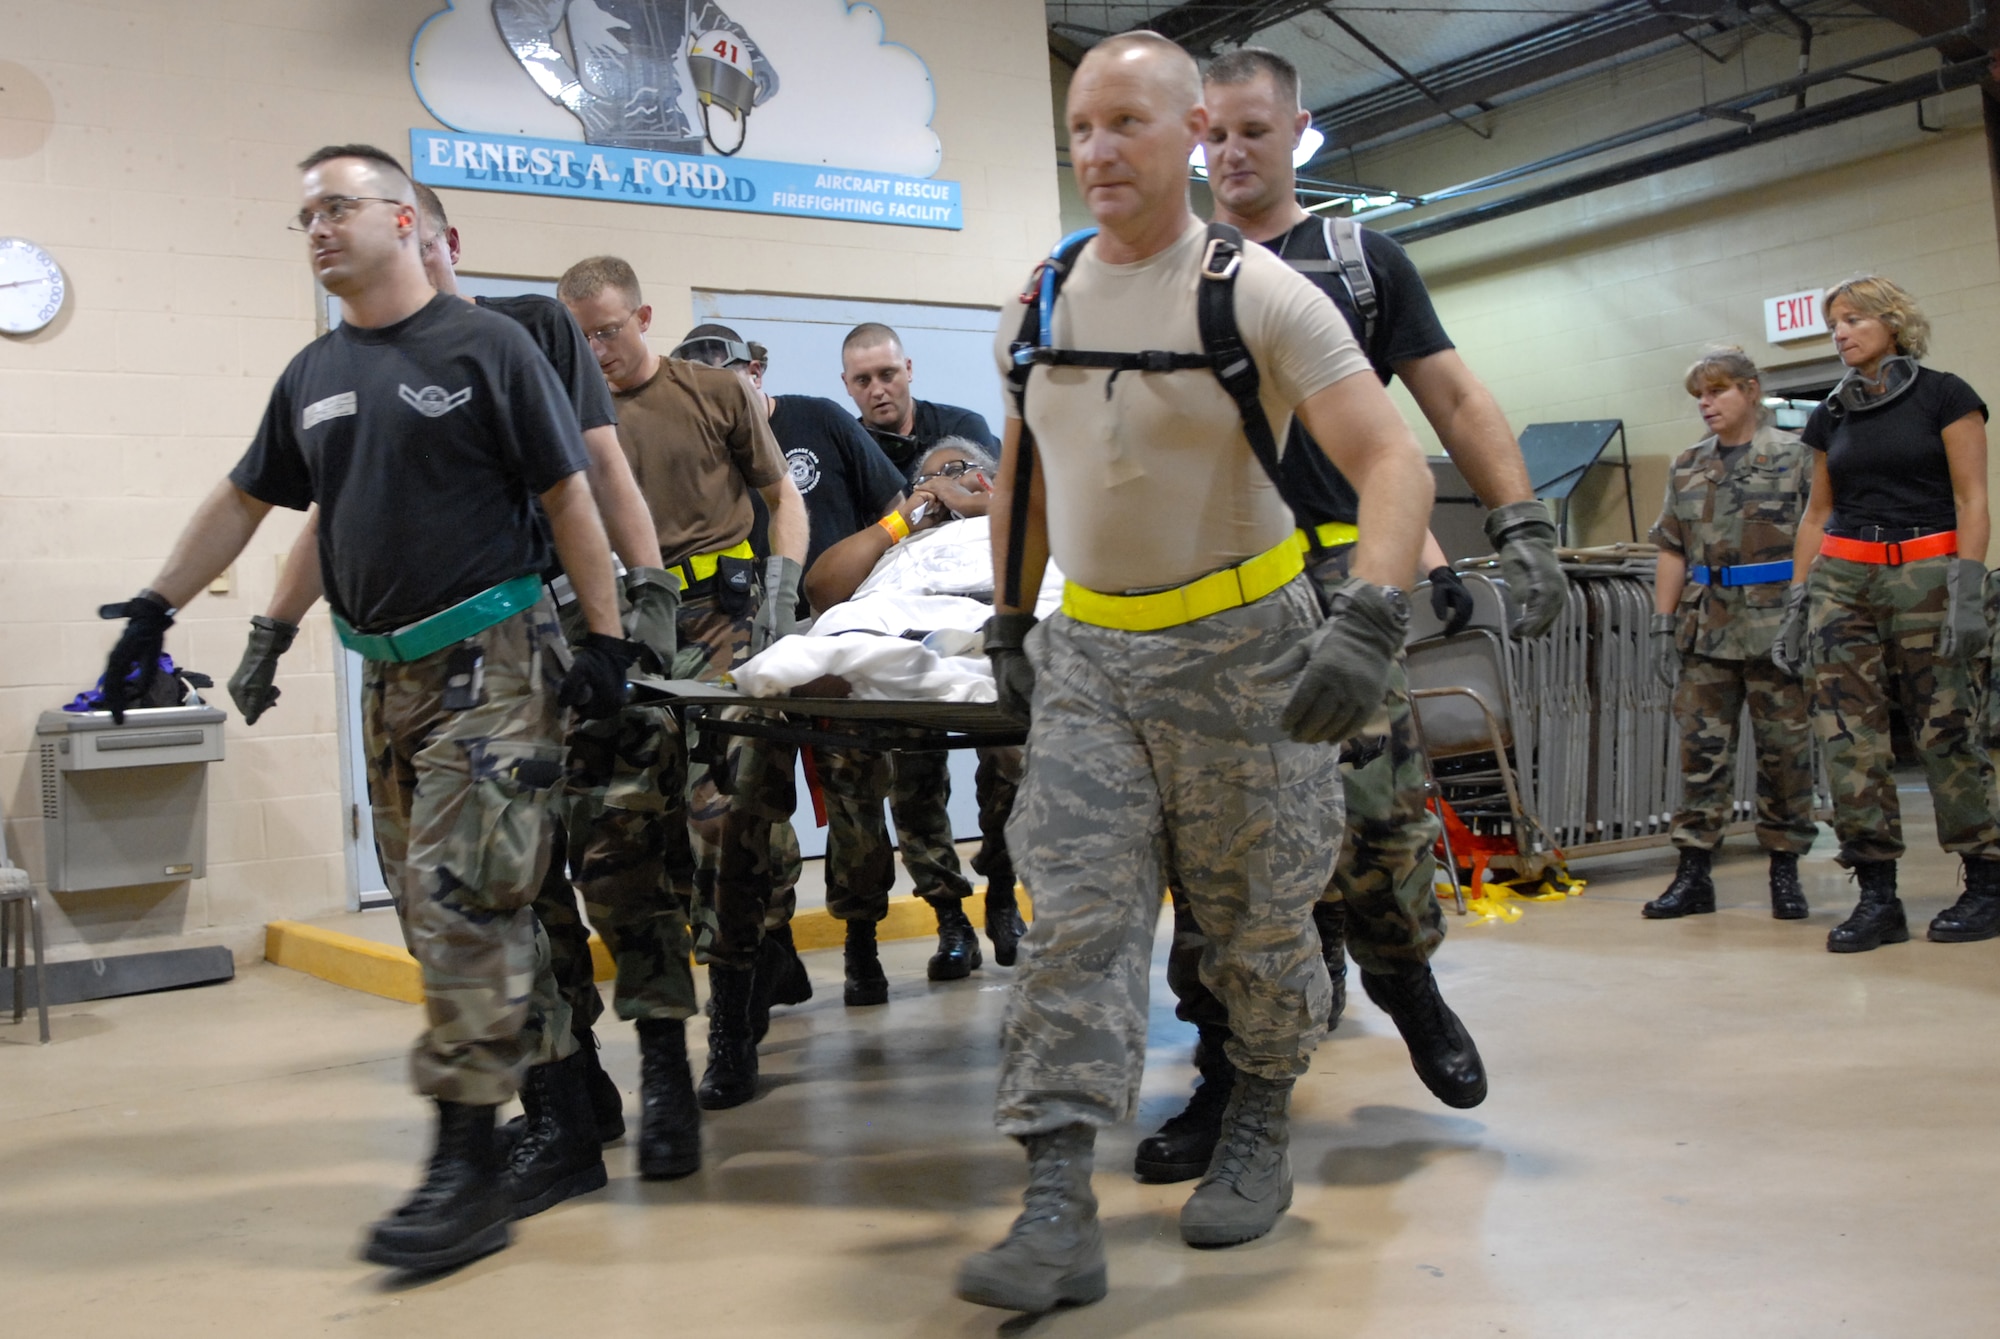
(846, 480)
(555, 333)
(424, 444)
(1888, 465)
(929, 425)
(1406, 327)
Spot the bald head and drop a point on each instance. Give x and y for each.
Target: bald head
(1134, 116)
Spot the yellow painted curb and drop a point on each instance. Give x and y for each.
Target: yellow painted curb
(389, 971)
(362, 964)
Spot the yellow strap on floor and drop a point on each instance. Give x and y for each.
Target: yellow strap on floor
(702, 565)
(1333, 535)
(1230, 588)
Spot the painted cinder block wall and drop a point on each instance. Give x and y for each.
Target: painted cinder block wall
(150, 146)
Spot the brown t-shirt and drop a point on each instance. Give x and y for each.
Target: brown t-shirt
(1153, 483)
(698, 442)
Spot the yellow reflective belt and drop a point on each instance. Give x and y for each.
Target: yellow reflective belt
(1230, 588)
(1333, 535)
(701, 566)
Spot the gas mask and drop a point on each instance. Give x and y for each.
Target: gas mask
(1854, 395)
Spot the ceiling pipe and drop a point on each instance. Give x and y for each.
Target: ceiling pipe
(1945, 79)
(1729, 109)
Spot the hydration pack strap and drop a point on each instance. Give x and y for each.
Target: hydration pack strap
(1350, 262)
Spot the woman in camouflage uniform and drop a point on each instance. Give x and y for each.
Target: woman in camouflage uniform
(1890, 562)
(1725, 536)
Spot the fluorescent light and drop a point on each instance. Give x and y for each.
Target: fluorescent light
(1309, 144)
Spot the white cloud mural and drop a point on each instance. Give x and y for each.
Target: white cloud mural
(829, 87)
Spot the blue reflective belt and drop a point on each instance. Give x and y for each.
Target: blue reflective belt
(1747, 574)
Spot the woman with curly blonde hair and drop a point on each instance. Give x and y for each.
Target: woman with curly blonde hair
(1886, 599)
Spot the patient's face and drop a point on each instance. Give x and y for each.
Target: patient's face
(955, 480)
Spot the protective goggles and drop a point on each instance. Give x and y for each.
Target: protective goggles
(1854, 394)
(713, 350)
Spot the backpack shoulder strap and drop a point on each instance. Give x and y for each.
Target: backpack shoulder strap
(1222, 343)
(1343, 243)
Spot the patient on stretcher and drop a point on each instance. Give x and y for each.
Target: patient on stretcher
(899, 605)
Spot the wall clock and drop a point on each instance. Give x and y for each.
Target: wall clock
(32, 288)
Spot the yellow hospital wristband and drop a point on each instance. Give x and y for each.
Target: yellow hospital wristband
(898, 528)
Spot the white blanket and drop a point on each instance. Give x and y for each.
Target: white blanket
(922, 585)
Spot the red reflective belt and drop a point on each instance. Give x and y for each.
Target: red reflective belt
(1939, 545)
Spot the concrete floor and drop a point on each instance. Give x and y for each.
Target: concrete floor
(1698, 1128)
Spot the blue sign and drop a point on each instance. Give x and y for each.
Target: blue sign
(481, 162)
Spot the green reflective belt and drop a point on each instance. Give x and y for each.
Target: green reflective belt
(428, 636)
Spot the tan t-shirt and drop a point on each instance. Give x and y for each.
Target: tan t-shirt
(1156, 485)
(698, 441)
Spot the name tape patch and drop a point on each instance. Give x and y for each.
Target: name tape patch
(333, 406)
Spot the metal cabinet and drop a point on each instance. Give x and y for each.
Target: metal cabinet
(127, 804)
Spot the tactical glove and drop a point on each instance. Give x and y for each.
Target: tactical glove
(1666, 648)
(779, 613)
(653, 616)
(1450, 600)
(1964, 633)
(1788, 652)
(1343, 667)
(1013, 676)
(250, 687)
(1525, 539)
(147, 617)
(595, 685)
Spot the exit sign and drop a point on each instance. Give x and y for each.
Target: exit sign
(1793, 316)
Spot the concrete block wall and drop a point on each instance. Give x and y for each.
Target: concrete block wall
(1593, 308)
(149, 145)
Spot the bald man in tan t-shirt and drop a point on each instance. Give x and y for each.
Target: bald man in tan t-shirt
(1179, 700)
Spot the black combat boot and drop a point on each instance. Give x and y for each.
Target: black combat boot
(1692, 893)
(462, 1209)
(1330, 919)
(780, 978)
(669, 1119)
(957, 955)
(1249, 1183)
(1878, 918)
(1181, 1149)
(731, 1077)
(1054, 1254)
(1976, 914)
(1441, 1050)
(558, 1154)
(1788, 900)
(865, 982)
(1004, 926)
(607, 1104)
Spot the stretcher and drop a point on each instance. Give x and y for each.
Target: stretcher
(834, 722)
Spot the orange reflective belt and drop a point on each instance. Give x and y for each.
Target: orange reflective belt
(1939, 545)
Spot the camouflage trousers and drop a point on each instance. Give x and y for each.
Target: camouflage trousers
(859, 872)
(1151, 748)
(1873, 632)
(623, 838)
(1708, 706)
(461, 802)
(996, 783)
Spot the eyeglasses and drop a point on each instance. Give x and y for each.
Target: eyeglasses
(607, 334)
(336, 209)
(951, 469)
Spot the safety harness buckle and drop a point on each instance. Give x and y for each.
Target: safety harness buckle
(1222, 259)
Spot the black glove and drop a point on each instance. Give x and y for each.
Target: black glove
(1964, 633)
(250, 687)
(595, 685)
(1525, 538)
(1013, 676)
(1788, 649)
(1343, 667)
(147, 617)
(653, 619)
(1450, 600)
(1666, 648)
(779, 613)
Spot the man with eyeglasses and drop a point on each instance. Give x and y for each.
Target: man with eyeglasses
(572, 1106)
(700, 445)
(425, 429)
